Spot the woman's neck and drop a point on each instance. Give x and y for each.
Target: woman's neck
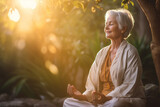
(116, 43)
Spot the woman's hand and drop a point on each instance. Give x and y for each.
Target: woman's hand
(72, 91)
(99, 98)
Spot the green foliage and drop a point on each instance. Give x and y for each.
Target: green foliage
(125, 3)
(18, 87)
(10, 81)
(143, 48)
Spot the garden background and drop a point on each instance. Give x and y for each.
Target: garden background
(46, 44)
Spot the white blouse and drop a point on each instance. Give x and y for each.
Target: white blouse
(126, 70)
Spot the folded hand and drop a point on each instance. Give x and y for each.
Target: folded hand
(72, 91)
(99, 98)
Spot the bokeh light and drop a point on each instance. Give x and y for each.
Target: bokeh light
(52, 68)
(54, 40)
(52, 49)
(43, 49)
(20, 44)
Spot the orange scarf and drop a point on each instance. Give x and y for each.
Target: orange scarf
(105, 77)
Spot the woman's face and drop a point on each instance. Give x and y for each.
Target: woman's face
(111, 28)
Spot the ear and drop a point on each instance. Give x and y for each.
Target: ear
(123, 29)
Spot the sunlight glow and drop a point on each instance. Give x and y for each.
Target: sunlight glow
(31, 4)
(52, 68)
(20, 44)
(13, 15)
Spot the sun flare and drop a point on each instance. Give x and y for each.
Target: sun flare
(13, 15)
(30, 4)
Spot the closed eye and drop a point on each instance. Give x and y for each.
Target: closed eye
(110, 23)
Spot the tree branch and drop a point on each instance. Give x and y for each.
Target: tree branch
(150, 11)
(158, 6)
(147, 7)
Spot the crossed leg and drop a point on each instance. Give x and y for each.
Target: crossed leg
(71, 102)
(115, 102)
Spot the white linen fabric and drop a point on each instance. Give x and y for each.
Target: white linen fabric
(115, 102)
(125, 71)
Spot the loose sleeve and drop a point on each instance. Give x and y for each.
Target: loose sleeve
(90, 83)
(93, 78)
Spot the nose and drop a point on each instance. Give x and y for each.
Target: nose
(106, 27)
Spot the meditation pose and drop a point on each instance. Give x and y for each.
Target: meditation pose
(114, 79)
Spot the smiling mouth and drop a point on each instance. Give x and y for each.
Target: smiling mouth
(108, 31)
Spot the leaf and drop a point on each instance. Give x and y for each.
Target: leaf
(79, 4)
(19, 86)
(10, 81)
(50, 94)
(126, 6)
(125, 1)
(98, 1)
(132, 3)
(93, 9)
(122, 4)
(98, 7)
(67, 6)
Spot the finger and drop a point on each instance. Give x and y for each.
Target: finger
(74, 90)
(73, 87)
(99, 98)
(94, 96)
(68, 88)
(99, 94)
(71, 90)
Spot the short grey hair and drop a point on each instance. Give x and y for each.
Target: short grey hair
(124, 19)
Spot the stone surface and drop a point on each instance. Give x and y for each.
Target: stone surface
(13, 104)
(44, 104)
(151, 91)
(59, 102)
(152, 95)
(27, 102)
(4, 97)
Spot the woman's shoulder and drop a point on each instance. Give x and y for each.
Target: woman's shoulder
(102, 50)
(131, 49)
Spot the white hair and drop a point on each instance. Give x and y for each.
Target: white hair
(124, 19)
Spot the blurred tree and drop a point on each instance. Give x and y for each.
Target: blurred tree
(151, 8)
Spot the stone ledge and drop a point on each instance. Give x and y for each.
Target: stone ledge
(151, 90)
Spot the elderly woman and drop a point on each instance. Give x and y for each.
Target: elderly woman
(114, 79)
